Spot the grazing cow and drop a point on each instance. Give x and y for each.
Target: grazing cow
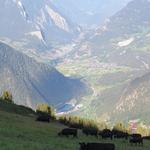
(43, 117)
(73, 126)
(136, 139)
(97, 146)
(92, 132)
(136, 135)
(106, 133)
(146, 138)
(69, 131)
(119, 134)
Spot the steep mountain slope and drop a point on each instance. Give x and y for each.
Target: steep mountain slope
(124, 26)
(109, 59)
(38, 25)
(31, 82)
(86, 12)
(47, 29)
(125, 43)
(135, 101)
(129, 20)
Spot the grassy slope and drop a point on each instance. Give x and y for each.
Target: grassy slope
(19, 132)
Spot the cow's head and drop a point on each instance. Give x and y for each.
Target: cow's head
(83, 146)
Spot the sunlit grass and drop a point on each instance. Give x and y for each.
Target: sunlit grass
(24, 133)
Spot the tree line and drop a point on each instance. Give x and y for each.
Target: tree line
(75, 121)
(83, 123)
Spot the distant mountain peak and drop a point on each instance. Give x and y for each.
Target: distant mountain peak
(57, 19)
(133, 18)
(137, 5)
(22, 8)
(27, 16)
(137, 2)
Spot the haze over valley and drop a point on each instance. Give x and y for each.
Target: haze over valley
(89, 58)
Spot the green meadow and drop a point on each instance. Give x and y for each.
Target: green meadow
(20, 131)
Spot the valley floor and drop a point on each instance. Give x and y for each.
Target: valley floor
(24, 133)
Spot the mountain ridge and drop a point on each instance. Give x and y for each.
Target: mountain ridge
(135, 100)
(31, 82)
(37, 28)
(110, 58)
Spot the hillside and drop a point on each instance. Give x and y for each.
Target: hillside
(110, 58)
(100, 59)
(37, 29)
(135, 101)
(86, 12)
(132, 19)
(47, 29)
(16, 109)
(31, 82)
(23, 132)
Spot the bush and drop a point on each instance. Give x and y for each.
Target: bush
(120, 127)
(143, 129)
(64, 119)
(46, 109)
(77, 122)
(7, 97)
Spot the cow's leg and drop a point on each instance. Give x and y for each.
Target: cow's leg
(111, 137)
(136, 143)
(74, 135)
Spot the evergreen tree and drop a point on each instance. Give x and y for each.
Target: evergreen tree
(45, 108)
(7, 97)
(120, 127)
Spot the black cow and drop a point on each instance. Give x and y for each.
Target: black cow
(69, 131)
(43, 117)
(146, 138)
(92, 132)
(136, 135)
(119, 134)
(136, 139)
(106, 133)
(97, 146)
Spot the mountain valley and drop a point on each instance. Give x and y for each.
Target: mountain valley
(32, 82)
(104, 58)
